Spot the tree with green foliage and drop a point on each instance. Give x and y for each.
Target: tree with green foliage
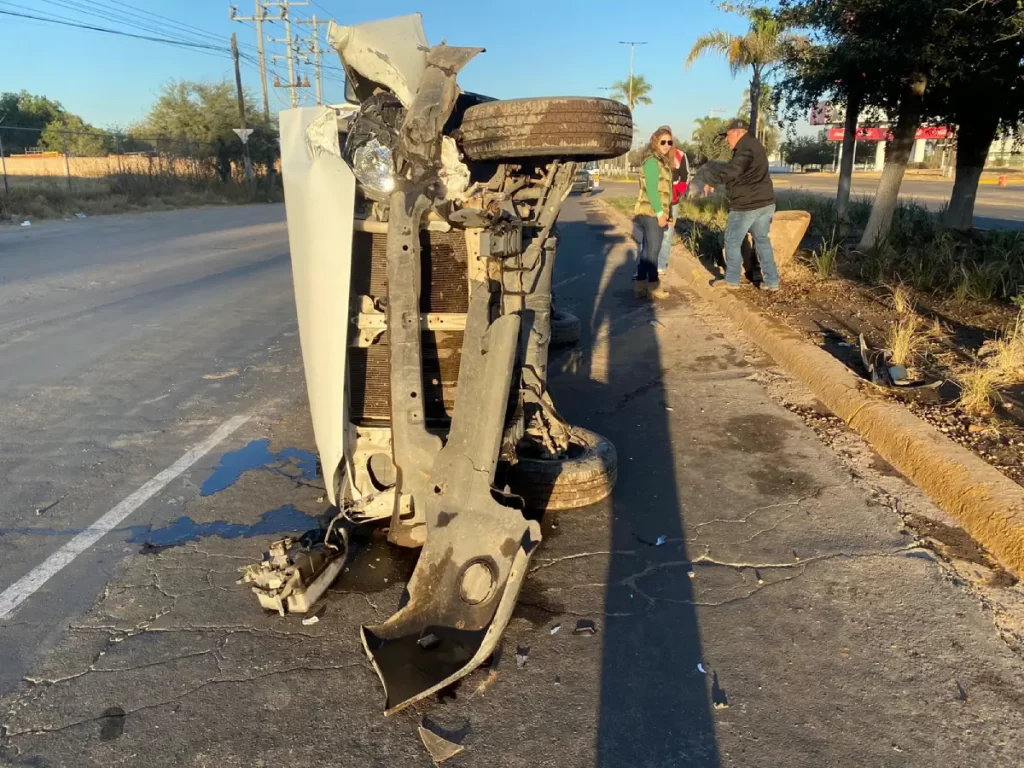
(196, 119)
(808, 150)
(632, 92)
(866, 53)
(761, 49)
(708, 141)
(74, 135)
(25, 111)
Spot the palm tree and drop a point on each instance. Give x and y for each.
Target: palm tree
(632, 94)
(765, 112)
(761, 48)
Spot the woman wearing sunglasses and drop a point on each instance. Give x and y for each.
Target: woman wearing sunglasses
(653, 212)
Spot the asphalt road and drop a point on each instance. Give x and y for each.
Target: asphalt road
(757, 598)
(123, 342)
(996, 208)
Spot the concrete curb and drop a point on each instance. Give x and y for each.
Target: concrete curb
(988, 504)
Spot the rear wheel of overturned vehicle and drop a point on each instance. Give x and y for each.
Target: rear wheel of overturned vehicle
(565, 329)
(577, 128)
(585, 476)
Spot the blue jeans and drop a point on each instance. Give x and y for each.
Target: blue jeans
(758, 223)
(666, 243)
(648, 236)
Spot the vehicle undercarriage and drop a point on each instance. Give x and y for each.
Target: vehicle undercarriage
(422, 224)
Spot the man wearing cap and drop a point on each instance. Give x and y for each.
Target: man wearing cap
(751, 199)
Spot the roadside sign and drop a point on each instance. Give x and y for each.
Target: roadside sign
(929, 132)
(243, 134)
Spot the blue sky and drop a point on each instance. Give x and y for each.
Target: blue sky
(563, 47)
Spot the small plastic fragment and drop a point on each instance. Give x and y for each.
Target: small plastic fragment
(554, 629)
(26, 223)
(585, 627)
(310, 621)
(522, 656)
(661, 540)
(440, 748)
(700, 668)
(428, 641)
(79, 215)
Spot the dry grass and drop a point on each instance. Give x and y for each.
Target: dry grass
(906, 339)
(1000, 364)
(49, 197)
(902, 300)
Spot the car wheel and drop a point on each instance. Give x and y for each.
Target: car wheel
(585, 476)
(565, 329)
(581, 128)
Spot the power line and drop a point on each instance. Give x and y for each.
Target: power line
(121, 33)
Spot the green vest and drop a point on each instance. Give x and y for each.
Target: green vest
(643, 206)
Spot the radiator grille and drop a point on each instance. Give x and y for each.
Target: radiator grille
(370, 391)
(444, 264)
(444, 289)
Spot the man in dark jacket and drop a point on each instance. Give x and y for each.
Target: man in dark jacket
(751, 205)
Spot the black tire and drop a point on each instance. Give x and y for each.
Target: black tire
(565, 329)
(581, 128)
(585, 478)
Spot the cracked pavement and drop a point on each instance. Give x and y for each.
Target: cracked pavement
(825, 632)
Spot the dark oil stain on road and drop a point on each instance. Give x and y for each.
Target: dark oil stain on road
(185, 529)
(257, 456)
(374, 565)
(112, 723)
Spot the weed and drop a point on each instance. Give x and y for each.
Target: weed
(978, 389)
(906, 338)
(902, 300)
(825, 261)
(693, 240)
(1000, 363)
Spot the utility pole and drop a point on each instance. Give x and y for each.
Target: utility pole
(285, 5)
(3, 163)
(67, 164)
(241, 110)
(313, 46)
(632, 48)
(260, 15)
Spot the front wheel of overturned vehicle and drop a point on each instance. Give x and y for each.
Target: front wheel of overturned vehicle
(573, 127)
(585, 476)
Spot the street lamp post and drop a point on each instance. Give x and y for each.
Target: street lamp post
(632, 48)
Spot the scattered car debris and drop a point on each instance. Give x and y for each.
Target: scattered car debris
(661, 540)
(428, 641)
(585, 627)
(522, 656)
(440, 748)
(554, 629)
(719, 698)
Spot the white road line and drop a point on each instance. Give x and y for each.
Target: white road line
(567, 280)
(27, 585)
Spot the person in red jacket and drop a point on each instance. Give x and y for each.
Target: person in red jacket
(680, 182)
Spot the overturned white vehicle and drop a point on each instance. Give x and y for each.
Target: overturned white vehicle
(421, 224)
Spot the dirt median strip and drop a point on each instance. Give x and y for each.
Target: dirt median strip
(989, 505)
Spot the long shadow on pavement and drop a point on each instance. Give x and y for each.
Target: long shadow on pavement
(654, 701)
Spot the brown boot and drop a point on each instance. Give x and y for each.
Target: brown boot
(640, 289)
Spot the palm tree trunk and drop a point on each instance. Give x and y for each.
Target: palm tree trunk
(755, 99)
(846, 166)
(887, 193)
(976, 133)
